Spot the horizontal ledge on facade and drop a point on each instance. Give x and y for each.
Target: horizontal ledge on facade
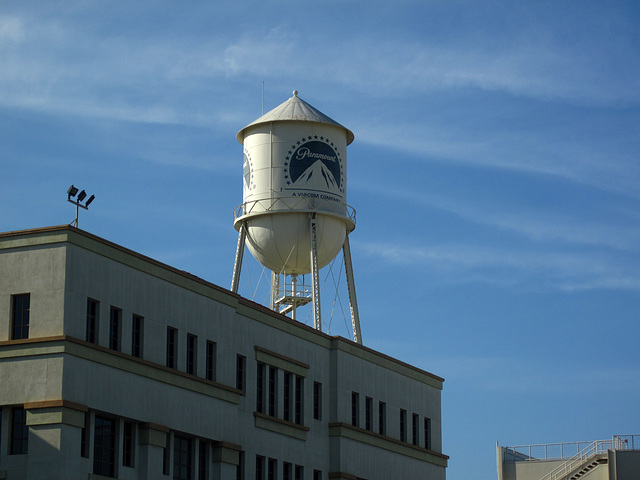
(155, 426)
(53, 412)
(153, 434)
(342, 476)
(278, 425)
(56, 403)
(228, 445)
(64, 344)
(158, 366)
(226, 452)
(281, 361)
(344, 430)
(27, 341)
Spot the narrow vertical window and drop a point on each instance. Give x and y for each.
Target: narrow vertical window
(203, 460)
(259, 467)
(240, 372)
(128, 442)
(299, 392)
(211, 361)
(415, 422)
(287, 471)
(137, 325)
(272, 469)
(368, 413)
(104, 447)
(192, 354)
(382, 418)
(84, 442)
(403, 425)
(20, 320)
(114, 328)
(317, 400)
(182, 458)
(19, 437)
(286, 413)
(172, 333)
(272, 390)
(317, 475)
(260, 387)
(299, 472)
(240, 467)
(166, 467)
(355, 409)
(92, 320)
(427, 433)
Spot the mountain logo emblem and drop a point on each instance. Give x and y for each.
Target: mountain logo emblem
(314, 163)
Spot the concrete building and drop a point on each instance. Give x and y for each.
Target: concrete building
(114, 365)
(615, 459)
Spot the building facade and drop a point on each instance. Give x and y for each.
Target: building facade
(617, 458)
(114, 365)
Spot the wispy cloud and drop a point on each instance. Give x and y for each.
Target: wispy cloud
(11, 30)
(120, 75)
(505, 266)
(579, 161)
(546, 227)
(54, 66)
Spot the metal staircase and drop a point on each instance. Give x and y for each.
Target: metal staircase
(573, 461)
(589, 458)
(589, 465)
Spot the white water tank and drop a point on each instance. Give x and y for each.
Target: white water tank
(295, 165)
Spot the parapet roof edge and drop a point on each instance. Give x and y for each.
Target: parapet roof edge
(334, 341)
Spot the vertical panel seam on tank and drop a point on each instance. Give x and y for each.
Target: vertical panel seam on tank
(271, 169)
(271, 161)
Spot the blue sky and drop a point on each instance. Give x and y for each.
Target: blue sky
(495, 173)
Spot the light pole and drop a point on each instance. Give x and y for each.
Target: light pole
(72, 192)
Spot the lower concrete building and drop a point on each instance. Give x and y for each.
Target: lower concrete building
(617, 458)
(114, 365)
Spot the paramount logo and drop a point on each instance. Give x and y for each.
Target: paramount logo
(304, 152)
(316, 165)
(319, 175)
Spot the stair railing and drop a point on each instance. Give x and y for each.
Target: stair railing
(591, 450)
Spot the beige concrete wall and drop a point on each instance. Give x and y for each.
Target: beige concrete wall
(625, 465)
(529, 470)
(61, 276)
(29, 374)
(41, 272)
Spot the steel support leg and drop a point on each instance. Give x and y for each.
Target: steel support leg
(315, 277)
(275, 290)
(353, 301)
(294, 290)
(239, 254)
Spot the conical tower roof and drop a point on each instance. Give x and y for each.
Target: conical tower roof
(295, 109)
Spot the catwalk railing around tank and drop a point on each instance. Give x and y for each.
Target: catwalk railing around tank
(296, 205)
(562, 451)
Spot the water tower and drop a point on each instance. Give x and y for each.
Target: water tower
(294, 217)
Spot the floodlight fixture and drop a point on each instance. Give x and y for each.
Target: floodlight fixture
(72, 192)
